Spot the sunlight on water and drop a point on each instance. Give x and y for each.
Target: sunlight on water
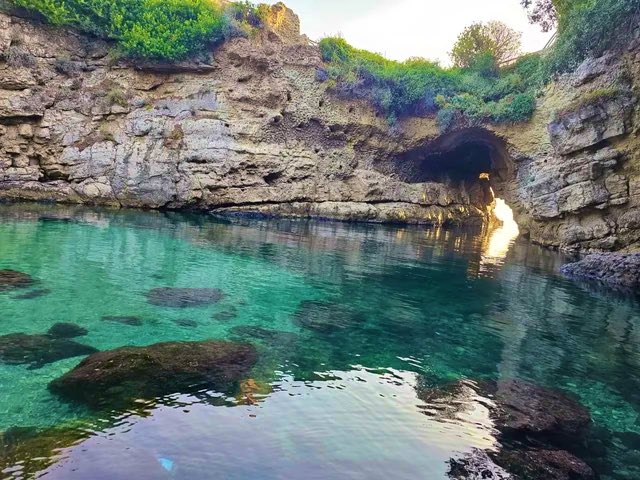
(501, 239)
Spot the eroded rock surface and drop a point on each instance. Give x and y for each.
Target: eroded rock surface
(118, 377)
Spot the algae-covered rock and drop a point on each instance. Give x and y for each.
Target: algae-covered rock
(117, 377)
(184, 297)
(10, 279)
(39, 350)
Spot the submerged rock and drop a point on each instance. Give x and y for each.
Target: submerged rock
(67, 330)
(325, 317)
(272, 337)
(10, 279)
(616, 270)
(186, 322)
(39, 350)
(531, 409)
(184, 297)
(535, 426)
(226, 315)
(33, 294)
(118, 377)
(125, 320)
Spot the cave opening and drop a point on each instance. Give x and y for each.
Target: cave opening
(466, 156)
(473, 160)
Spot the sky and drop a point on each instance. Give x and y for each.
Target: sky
(400, 29)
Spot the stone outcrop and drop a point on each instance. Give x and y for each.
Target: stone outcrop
(255, 129)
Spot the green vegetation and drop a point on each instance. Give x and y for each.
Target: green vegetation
(481, 39)
(477, 88)
(590, 27)
(419, 87)
(153, 29)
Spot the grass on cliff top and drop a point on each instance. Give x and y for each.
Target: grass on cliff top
(168, 30)
(420, 87)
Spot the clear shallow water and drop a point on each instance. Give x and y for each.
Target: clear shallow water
(434, 306)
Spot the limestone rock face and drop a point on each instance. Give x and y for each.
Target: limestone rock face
(254, 128)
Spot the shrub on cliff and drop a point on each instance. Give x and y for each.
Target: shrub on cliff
(152, 29)
(419, 87)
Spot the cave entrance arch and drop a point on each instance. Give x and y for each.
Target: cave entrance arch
(473, 159)
(463, 156)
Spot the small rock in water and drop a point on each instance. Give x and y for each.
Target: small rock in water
(39, 350)
(67, 330)
(125, 320)
(120, 377)
(226, 315)
(33, 294)
(184, 297)
(10, 279)
(186, 322)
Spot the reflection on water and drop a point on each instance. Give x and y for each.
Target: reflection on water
(352, 323)
(500, 239)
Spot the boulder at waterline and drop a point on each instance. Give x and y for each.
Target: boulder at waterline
(33, 294)
(184, 297)
(616, 270)
(10, 279)
(123, 319)
(39, 350)
(326, 317)
(67, 330)
(115, 378)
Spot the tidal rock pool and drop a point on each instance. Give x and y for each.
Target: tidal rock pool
(181, 346)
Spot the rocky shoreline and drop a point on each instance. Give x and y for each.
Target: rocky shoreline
(259, 131)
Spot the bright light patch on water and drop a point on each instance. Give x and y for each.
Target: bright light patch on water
(501, 239)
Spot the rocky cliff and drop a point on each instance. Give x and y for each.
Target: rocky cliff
(255, 128)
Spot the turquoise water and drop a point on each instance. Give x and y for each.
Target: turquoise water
(427, 307)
